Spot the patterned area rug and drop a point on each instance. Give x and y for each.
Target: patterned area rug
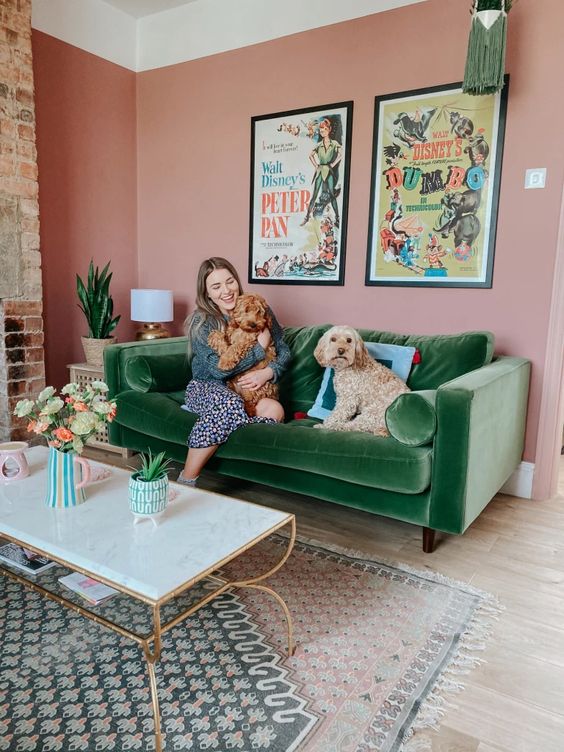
(379, 647)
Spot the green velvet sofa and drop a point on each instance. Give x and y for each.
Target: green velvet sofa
(458, 439)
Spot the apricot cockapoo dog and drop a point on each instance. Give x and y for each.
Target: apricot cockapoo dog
(248, 319)
(364, 387)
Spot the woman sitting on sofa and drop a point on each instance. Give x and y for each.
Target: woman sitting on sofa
(221, 410)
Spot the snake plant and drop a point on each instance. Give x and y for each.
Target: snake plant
(96, 302)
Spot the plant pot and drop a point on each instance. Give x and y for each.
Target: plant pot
(94, 349)
(147, 498)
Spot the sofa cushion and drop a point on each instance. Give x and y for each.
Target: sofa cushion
(300, 382)
(397, 358)
(443, 357)
(411, 418)
(361, 458)
(326, 398)
(161, 373)
(156, 414)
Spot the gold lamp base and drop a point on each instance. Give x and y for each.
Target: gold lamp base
(152, 331)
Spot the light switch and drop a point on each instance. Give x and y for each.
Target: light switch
(535, 178)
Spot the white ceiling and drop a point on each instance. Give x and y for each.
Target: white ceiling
(140, 8)
(146, 34)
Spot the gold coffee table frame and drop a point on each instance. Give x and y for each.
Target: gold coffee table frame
(153, 655)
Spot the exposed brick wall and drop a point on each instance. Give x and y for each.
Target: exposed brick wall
(22, 369)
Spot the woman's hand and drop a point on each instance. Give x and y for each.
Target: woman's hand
(253, 380)
(264, 338)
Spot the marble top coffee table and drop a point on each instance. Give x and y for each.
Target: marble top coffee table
(198, 534)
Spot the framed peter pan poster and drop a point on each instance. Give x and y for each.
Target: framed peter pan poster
(436, 169)
(300, 164)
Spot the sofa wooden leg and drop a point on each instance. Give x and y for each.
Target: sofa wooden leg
(428, 540)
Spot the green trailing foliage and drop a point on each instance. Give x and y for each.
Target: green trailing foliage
(153, 467)
(485, 59)
(96, 302)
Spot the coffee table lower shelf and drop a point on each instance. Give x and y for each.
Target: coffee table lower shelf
(151, 643)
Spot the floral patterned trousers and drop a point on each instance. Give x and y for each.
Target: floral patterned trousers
(220, 412)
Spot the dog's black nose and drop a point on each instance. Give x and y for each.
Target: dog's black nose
(341, 350)
(253, 325)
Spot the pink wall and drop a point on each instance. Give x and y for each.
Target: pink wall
(86, 142)
(193, 168)
(189, 197)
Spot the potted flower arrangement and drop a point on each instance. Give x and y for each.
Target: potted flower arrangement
(97, 305)
(148, 486)
(67, 421)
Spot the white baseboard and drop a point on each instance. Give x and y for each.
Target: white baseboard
(520, 483)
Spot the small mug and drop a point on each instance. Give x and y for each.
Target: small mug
(12, 453)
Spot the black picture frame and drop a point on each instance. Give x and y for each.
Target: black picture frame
(439, 131)
(298, 213)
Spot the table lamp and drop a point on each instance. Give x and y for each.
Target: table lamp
(151, 307)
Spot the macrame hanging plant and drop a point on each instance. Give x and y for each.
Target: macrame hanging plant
(485, 61)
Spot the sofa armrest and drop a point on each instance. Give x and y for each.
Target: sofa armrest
(116, 358)
(158, 373)
(479, 441)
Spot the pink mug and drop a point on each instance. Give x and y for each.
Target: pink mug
(13, 464)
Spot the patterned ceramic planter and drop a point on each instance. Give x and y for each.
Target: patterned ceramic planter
(147, 498)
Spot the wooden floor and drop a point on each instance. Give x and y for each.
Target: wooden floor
(514, 702)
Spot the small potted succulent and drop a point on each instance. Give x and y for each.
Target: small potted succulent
(97, 305)
(148, 486)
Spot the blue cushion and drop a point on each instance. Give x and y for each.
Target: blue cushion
(398, 358)
(395, 357)
(326, 397)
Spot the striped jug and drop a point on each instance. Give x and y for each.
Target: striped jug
(67, 475)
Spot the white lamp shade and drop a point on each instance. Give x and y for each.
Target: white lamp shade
(151, 305)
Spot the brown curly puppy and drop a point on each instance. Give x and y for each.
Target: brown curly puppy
(248, 319)
(364, 387)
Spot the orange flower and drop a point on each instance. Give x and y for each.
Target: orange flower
(70, 399)
(54, 443)
(63, 434)
(80, 407)
(40, 426)
(31, 425)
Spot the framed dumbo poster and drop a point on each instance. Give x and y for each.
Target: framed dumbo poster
(436, 169)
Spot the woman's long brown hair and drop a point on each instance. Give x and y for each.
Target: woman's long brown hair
(206, 310)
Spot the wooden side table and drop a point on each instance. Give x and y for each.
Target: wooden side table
(83, 374)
